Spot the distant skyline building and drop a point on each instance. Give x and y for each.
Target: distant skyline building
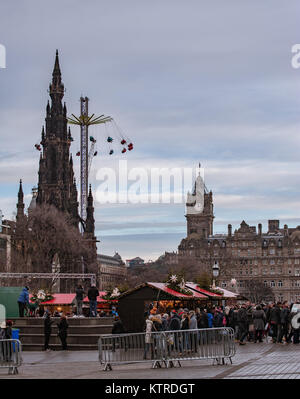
(248, 254)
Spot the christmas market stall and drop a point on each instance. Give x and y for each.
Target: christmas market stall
(133, 304)
(55, 303)
(218, 296)
(232, 298)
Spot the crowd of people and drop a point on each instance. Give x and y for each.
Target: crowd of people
(250, 322)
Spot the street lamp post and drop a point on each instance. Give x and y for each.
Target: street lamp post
(216, 271)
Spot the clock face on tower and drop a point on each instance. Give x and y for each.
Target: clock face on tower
(199, 206)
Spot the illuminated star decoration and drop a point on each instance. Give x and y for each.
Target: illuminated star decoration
(173, 278)
(115, 292)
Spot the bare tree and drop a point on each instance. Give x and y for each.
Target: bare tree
(257, 292)
(41, 235)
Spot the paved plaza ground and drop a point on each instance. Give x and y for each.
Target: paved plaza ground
(252, 361)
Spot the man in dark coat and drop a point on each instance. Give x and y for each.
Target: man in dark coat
(79, 299)
(242, 319)
(202, 320)
(175, 322)
(275, 321)
(118, 328)
(284, 321)
(218, 318)
(62, 331)
(92, 295)
(259, 321)
(175, 325)
(47, 330)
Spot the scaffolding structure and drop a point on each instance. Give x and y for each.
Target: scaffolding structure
(84, 121)
(53, 276)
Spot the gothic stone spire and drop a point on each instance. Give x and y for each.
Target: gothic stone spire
(20, 204)
(56, 175)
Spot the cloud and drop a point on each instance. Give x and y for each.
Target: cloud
(209, 82)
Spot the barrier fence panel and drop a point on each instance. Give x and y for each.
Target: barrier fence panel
(167, 347)
(10, 355)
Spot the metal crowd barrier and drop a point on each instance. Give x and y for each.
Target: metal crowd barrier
(167, 347)
(10, 355)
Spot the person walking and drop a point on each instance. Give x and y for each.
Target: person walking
(63, 331)
(175, 325)
(218, 318)
(148, 337)
(118, 328)
(284, 320)
(92, 295)
(242, 319)
(210, 318)
(185, 325)
(193, 335)
(165, 322)
(202, 319)
(259, 321)
(47, 330)
(250, 308)
(79, 299)
(275, 321)
(23, 300)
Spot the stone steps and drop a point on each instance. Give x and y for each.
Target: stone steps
(91, 339)
(83, 333)
(80, 330)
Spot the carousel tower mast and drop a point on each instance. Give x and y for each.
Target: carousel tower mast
(84, 121)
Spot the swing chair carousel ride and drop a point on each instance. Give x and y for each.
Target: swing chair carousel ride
(94, 141)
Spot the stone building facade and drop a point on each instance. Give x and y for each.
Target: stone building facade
(247, 254)
(112, 271)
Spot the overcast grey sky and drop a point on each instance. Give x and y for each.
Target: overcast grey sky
(207, 81)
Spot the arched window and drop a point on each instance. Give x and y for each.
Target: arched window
(280, 283)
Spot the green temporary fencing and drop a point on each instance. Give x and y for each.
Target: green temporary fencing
(9, 298)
